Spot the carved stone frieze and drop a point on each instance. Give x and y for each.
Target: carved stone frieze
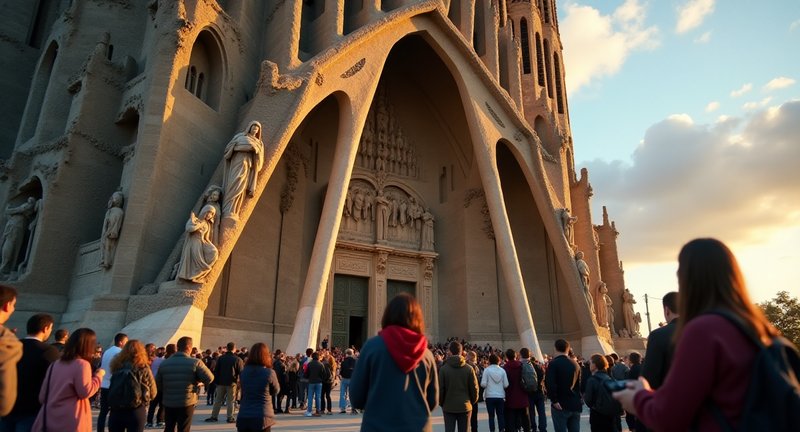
(383, 257)
(428, 268)
(494, 115)
(402, 271)
(350, 265)
(356, 68)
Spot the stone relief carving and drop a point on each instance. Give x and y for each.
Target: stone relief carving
(403, 271)
(352, 265)
(494, 115)
(356, 68)
(428, 267)
(112, 225)
(213, 197)
(199, 253)
(383, 257)
(295, 159)
(567, 224)
(22, 220)
(244, 158)
(472, 194)
(426, 243)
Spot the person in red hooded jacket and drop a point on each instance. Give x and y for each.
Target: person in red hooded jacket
(395, 380)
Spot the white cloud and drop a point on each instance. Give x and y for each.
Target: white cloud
(749, 106)
(779, 83)
(597, 45)
(794, 26)
(712, 106)
(744, 89)
(692, 13)
(703, 38)
(735, 179)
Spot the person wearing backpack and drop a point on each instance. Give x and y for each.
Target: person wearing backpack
(532, 378)
(131, 390)
(722, 375)
(604, 410)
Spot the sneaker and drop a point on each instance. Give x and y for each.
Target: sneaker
(160, 425)
(211, 419)
(149, 425)
(343, 412)
(308, 414)
(231, 420)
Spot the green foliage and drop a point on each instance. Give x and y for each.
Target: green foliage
(784, 312)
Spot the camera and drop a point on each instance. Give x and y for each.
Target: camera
(615, 385)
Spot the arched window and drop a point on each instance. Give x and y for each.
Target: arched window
(548, 68)
(478, 29)
(191, 79)
(559, 88)
(547, 11)
(204, 76)
(199, 90)
(539, 60)
(525, 46)
(41, 81)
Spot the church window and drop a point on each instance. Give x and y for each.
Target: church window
(547, 11)
(525, 46)
(559, 88)
(539, 60)
(548, 68)
(478, 30)
(204, 76)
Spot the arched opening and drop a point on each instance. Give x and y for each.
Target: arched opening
(525, 46)
(539, 61)
(351, 10)
(479, 29)
(548, 68)
(559, 89)
(206, 68)
(38, 91)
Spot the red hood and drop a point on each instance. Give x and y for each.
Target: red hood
(405, 346)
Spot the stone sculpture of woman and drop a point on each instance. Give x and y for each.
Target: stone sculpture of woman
(382, 222)
(112, 225)
(627, 311)
(14, 234)
(567, 222)
(199, 253)
(609, 309)
(602, 311)
(212, 197)
(244, 157)
(583, 270)
(426, 242)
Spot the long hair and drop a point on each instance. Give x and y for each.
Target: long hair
(404, 311)
(81, 344)
(134, 353)
(260, 355)
(709, 278)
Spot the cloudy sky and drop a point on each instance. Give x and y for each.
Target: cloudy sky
(687, 115)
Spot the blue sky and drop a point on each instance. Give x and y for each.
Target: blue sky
(687, 114)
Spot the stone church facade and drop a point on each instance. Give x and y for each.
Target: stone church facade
(277, 170)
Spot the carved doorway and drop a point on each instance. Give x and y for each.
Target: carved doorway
(349, 323)
(394, 287)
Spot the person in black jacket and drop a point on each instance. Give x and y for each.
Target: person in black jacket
(229, 367)
(315, 372)
(658, 356)
(562, 380)
(634, 372)
(346, 371)
(280, 372)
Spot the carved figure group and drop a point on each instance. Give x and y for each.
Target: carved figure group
(20, 219)
(244, 158)
(199, 253)
(383, 145)
(112, 225)
(212, 197)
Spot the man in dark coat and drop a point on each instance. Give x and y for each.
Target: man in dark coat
(658, 356)
(562, 380)
(458, 390)
(229, 367)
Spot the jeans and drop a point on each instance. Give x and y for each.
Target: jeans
(344, 393)
(130, 420)
(223, 393)
(564, 420)
(155, 403)
(101, 418)
(19, 424)
(536, 401)
(302, 392)
(473, 418)
(495, 406)
(451, 419)
(179, 417)
(314, 394)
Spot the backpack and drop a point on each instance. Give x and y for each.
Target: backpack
(530, 382)
(603, 402)
(773, 394)
(125, 391)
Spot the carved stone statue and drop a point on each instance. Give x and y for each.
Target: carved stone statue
(14, 234)
(426, 242)
(567, 222)
(244, 156)
(602, 311)
(583, 270)
(199, 253)
(112, 224)
(609, 309)
(358, 204)
(627, 311)
(212, 197)
(415, 213)
(637, 319)
(382, 222)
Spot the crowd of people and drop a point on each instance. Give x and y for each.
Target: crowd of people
(398, 378)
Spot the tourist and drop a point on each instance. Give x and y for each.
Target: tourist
(660, 344)
(516, 407)
(131, 362)
(472, 361)
(226, 375)
(292, 383)
(395, 377)
(68, 385)
(156, 356)
(346, 372)
(714, 360)
(61, 338)
(619, 371)
(176, 380)
(595, 392)
(31, 370)
(562, 380)
(258, 384)
(280, 371)
(120, 339)
(327, 383)
(458, 390)
(10, 351)
(536, 399)
(314, 371)
(211, 389)
(634, 372)
(495, 382)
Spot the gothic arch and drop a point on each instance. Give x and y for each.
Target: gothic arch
(41, 83)
(205, 74)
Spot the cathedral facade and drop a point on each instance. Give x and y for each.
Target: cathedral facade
(277, 170)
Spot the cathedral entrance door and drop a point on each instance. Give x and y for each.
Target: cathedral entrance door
(349, 311)
(394, 287)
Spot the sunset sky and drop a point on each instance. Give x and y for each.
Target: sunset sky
(687, 115)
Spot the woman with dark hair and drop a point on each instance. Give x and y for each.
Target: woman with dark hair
(395, 379)
(258, 384)
(68, 386)
(713, 360)
(132, 362)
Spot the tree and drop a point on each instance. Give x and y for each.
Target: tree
(784, 312)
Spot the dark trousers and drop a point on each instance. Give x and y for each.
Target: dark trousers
(211, 391)
(151, 410)
(601, 422)
(17, 424)
(127, 420)
(453, 419)
(179, 417)
(104, 408)
(473, 418)
(630, 419)
(564, 420)
(517, 418)
(326, 397)
(536, 406)
(494, 406)
(245, 429)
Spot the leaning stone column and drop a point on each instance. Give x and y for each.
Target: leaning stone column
(306, 323)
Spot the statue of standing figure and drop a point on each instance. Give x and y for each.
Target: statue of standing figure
(583, 270)
(627, 311)
(244, 158)
(602, 311)
(14, 234)
(382, 222)
(426, 241)
(567, 224)
(112, 225)
(609, 308)
(199, 253)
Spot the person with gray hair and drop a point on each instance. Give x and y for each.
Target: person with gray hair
(346, 371)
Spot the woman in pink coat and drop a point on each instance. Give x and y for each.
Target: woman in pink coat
(68, 386)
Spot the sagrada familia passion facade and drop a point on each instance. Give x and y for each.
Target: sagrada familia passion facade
(277, 170)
